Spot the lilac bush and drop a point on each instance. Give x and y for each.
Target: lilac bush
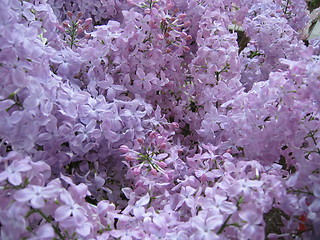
(167, 119)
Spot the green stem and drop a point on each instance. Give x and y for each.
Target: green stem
(73, 32)
(224, 225)
(48, 220)
(300, 192)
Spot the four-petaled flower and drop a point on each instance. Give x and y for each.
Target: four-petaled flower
(12, 173)
(36, 195)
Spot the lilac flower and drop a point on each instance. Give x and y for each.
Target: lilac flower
(86, 132)
(12, 173)
(223, 205)
(107, 212)
(45, 232)
(37, 195)
(69, 208)
(69, 62)
(138, 208)
(126, 233)
(70, 99)
(252, 217)
(244, 186)
(145, 80)
(13, 221)
(186, 196)
(206, 224)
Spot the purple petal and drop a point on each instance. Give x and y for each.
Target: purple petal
(84, 230)
(250, 215)
(31, 102)
(37, 202)
(62, 213)
(4, 175)
(143, 201)
(15, 179)
(140, 73)
(23, 195)
(66, 198)
(45, 231)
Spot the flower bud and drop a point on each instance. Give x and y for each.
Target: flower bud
(69, 14)
(162, 164)
(188, 38)
(170, 5)
(140, 140)
(203, 178)
(153, 172)
(65, 24)
(88, 21)
(153, 24)
(61, 28)
(187, 24)
(153, 135)
(130, 158)
(136, 171)
(186, 49)
(124, 149)
(163, 146)
(147, 11)
(182, 16)
(160, 36)
(183, 35)
(175, 125)
(79, 30)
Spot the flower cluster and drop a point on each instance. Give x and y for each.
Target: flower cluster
(158, 119)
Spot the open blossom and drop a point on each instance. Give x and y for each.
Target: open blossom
(13, 221)
(45, 232)
(69, 208)
(37, 195)
(207, 224)
(12, 173)
(252, 227)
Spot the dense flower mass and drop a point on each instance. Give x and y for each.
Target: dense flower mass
(159, 119)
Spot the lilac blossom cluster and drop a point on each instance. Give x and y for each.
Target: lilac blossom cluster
(167, 119)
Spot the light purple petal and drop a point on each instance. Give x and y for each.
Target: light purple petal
(66, 198)
(251, 216)
(62, 213)
(228, 207)
(143, 201)
(15, 179)
(45, 231)
(31, 102)
(140, 73)
(4, 175)
(214, 221)
(234, 189)
(78, 215)
(84, 230)
(24, 195)
(37, 202)
(316, 190)
(139, 212)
